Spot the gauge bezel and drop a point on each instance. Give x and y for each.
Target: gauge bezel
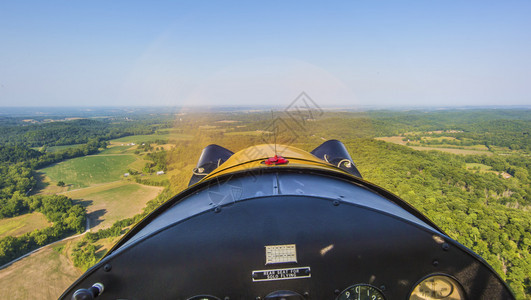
(362, 284)
(197, 297)
(438, 274)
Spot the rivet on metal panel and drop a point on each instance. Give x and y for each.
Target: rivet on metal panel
(445, 246)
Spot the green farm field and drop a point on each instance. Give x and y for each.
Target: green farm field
(85, 171)
(108, 203)
(20, 225)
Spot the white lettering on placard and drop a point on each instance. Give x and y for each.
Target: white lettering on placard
(281, 274)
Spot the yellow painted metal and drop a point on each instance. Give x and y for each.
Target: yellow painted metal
(253, 158)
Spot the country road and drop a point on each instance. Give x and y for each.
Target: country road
(87, 229)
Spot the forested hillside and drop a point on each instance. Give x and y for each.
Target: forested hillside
(77, 131)
(486, 213)
(504, 128)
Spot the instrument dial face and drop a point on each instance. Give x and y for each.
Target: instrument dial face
(361, 292)
(437, 287)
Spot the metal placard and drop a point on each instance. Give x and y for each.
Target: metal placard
(281, 274)
(279, 254)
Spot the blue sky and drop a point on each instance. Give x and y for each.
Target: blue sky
(356, 53)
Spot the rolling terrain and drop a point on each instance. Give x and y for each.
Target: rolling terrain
(470, 179)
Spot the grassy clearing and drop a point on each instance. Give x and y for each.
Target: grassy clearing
(114, 201)
(454, 150)
(480, 167)
(253, 132)
(166, 176)
(88, 170)
(43, 275)
(17, 226)
(46, 187)
(392, 139)
(166, 147)
(439, 139)
(117, 150)
(52, 149)
(467, 150)
(164, 135)
(138, 164)
(228, 121)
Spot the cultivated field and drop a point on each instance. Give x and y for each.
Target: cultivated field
(88, 170)
(20, 225)
(108, 203)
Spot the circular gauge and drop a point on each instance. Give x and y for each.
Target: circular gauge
(203, 297)
(437, 287)
(361, 292)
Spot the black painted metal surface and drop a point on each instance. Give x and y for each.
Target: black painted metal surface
(210, 240)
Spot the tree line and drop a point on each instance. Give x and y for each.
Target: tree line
(78, 131)
(66, 217)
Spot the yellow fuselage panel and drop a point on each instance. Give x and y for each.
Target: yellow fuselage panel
(253, 158)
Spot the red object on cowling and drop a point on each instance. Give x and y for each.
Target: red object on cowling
(276, 160)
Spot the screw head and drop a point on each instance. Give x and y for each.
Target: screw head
(107, 267)
(337, 292)
(336, 202)
(435, 262)
(445, 246)
(217, 209)
(383, 287)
